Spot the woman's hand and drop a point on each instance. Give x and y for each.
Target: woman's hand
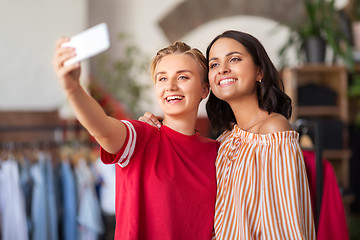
(68, 75)
(151, 119)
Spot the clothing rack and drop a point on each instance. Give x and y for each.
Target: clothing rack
(49, 136)
(31, 128)
(46, 176)
(318, 148)
(40, 128)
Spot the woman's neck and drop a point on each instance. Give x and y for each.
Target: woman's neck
(184, 125)
(245, 111)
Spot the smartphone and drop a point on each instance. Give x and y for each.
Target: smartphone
(89, 43)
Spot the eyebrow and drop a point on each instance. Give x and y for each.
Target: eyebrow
(177, 72)
(228, 54)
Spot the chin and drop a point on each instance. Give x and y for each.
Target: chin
(172, 111)
(224, 97)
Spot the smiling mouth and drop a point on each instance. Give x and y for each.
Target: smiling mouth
(174, 98)
(226, 81)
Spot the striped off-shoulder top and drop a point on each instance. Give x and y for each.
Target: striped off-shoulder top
(262, 187)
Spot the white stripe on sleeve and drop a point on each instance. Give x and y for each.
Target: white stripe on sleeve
(129, 150)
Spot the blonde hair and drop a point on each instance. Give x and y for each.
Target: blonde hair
(182, 48)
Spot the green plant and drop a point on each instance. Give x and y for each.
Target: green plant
(121, 75)
(321, 20)
(354, 10)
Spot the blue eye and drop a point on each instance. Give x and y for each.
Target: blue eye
(183, 78)
(162, 79)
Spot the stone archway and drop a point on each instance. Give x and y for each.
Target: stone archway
(190, 14)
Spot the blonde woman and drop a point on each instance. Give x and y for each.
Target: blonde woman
(165, 179)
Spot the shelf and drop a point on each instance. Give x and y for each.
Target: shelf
(306, 111)
(357, 67)
(340, 161)
(318, 68)
(336, 154)
(333, 77)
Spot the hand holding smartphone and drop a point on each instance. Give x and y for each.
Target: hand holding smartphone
(89, 43)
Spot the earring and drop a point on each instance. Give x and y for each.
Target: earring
(260, 80)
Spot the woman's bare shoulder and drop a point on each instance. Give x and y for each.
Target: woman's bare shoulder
(275, 123)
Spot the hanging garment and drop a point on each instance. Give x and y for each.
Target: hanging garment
(107, 188)
(44, 213)
(27, 186)
(105, 175)
(12, 207)
(332, 220)
(38, 207)
(69, 200)
(89, 218)
(52, 216)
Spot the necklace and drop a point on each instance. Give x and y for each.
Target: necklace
(251, 124)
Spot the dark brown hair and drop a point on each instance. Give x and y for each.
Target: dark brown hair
(270, 91)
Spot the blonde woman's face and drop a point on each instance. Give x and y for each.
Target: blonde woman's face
(178, 84)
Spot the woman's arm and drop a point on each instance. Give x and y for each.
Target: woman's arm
(109, 132)
(286, 202)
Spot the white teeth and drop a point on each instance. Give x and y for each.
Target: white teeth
(225, 81)
(174, 98)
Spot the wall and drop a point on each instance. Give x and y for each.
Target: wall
(141, 19)
(29, 30)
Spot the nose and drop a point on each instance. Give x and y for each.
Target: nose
(172, 85)
(223, 69)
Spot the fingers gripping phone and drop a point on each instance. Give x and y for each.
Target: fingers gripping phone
(89, 43)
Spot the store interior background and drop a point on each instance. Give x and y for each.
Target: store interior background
(33, 108)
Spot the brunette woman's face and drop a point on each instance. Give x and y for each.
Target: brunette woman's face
(178, 84)
(232, 71)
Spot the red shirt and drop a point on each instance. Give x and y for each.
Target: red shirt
(332, 220)
(165, 184)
